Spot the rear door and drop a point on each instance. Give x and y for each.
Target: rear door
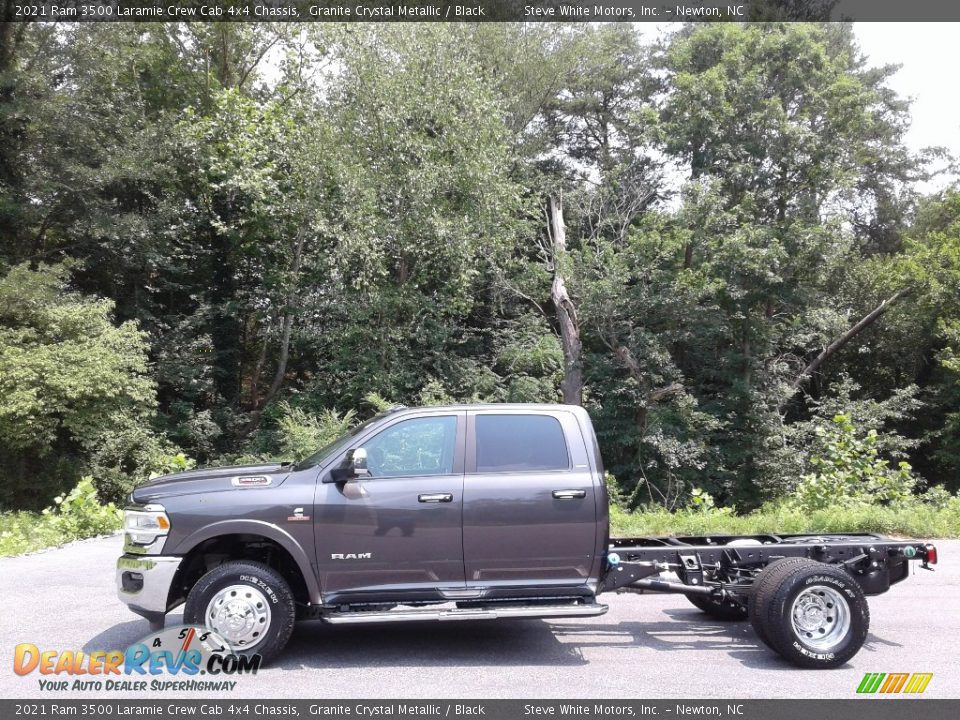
(399, 530)
(529, 506)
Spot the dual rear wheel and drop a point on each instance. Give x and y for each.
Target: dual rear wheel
(813, 614)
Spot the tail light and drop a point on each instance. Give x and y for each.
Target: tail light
(931, 554)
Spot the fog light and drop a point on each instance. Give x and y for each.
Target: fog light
(131, 582)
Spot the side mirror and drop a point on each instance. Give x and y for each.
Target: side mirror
(359, 463)
(354, 466)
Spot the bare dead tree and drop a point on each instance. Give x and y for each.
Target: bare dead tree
(572, 384)
(838, 343)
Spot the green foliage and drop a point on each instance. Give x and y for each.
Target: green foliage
(127, 452)
(377, 402)
(67, 375)
(614, 492)
(363, 225)
(912, 519)
(80, 514)
(850, 470)
(300, 433)
(73, 516)
(64, 366)
(703, 502)
(169, 464)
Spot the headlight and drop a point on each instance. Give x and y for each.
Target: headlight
(144, 527)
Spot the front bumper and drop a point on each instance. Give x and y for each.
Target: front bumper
(143, 582)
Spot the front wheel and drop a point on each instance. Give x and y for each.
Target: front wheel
(814, 615)
(248, 604)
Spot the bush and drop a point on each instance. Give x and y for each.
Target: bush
(73, 516)
(912, 518)
(300, 433)
(850, 470)
(127, 451)
(79, 514)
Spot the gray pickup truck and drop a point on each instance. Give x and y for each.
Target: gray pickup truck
(468, 513)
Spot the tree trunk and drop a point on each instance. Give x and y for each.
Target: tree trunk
(285, 334)
(572, 384)
(846, 337)
(287, 322)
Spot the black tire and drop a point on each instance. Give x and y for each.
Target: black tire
(725, 610)
(765, 578)
(839, 608)
(262, 578)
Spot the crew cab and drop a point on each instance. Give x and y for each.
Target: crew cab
(466, 513)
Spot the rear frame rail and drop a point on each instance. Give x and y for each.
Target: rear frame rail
(727, 570)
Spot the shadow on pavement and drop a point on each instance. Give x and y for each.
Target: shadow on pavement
(122, 635)
(484, 643)
(502, 643)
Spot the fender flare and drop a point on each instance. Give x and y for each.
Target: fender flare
(263, 529)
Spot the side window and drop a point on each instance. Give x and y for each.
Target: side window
(420, 446)
(520, 443)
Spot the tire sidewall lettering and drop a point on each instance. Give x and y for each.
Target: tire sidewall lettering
(839, 584)
(254, 580)
(812, 655)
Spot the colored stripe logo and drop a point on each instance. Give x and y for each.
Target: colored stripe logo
(891, 683)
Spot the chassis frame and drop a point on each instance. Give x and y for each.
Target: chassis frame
(724, 567)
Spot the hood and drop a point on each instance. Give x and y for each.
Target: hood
(203, 480)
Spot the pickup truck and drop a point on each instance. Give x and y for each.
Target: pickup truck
(467, 513)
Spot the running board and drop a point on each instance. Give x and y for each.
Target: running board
(526, 611)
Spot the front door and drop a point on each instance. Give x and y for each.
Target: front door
(529, 513)
(398, 530)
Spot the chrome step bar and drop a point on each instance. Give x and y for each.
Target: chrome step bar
(524, 611)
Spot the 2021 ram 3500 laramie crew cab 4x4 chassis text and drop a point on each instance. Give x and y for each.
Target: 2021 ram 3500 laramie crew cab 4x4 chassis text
(469, 512)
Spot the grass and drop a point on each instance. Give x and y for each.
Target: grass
(915, 520)
(22, 532)
(73, 516)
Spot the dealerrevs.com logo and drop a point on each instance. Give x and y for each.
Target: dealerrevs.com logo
(893, 683)
(171, 659)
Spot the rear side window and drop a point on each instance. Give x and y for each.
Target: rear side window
(520, 443)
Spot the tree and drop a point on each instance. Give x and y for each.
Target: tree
(66, 373)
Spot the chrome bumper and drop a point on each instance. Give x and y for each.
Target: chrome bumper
(143, 582)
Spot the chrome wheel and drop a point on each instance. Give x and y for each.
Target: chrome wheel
(820, 617)
(241, 614)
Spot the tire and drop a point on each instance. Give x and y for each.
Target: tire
(254, 594)
(765, 578)
(725, 610)
(813, 614)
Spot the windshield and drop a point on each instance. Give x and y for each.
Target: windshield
(336, 446)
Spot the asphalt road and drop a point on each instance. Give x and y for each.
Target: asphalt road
(646, 646)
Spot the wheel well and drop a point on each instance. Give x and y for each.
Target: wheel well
(225, 548)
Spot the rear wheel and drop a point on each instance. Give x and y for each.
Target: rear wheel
(770, 575)
(814, 615)
(719, 609)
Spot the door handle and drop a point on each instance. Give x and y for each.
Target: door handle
(569, 494)
(436, 498)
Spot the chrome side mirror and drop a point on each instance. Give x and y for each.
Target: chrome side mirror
(354, 466)
(359, 463)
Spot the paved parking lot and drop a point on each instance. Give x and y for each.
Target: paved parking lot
(646, 646)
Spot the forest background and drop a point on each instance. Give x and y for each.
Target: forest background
(227, 242)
